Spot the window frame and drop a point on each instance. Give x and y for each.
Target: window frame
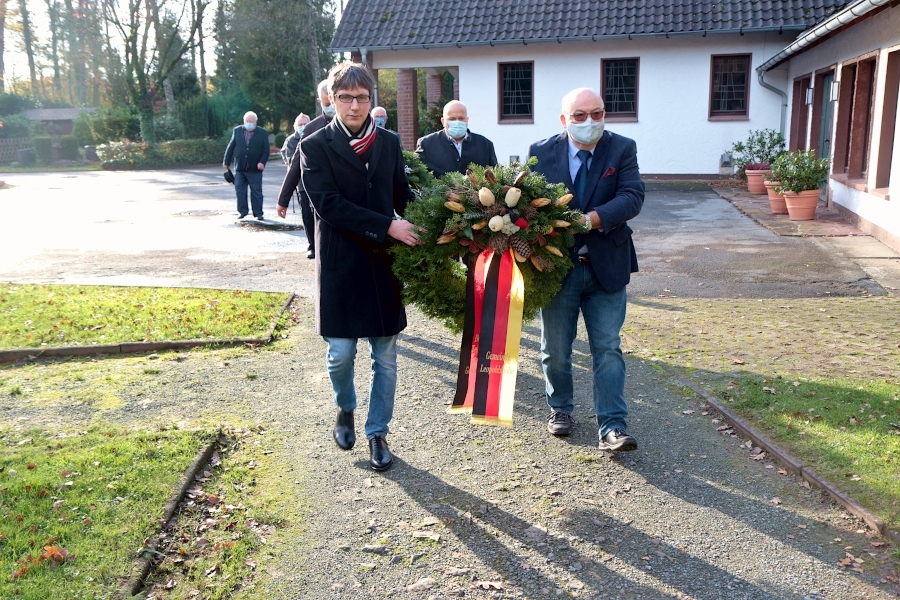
(733, 116)
(854, 118)
(621, 117)
(513, 119)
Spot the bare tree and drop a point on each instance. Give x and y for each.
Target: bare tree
(2, 42)
(28, 41)
(55, 34)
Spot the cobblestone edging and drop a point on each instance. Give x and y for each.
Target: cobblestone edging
(790, 462)
(18, 354)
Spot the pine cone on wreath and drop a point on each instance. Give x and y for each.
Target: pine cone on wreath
(520, 246)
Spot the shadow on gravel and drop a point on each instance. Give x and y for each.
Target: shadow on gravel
(492, 534)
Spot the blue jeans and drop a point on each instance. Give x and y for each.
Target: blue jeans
(339, 360)
(604, 314)
(253, 179)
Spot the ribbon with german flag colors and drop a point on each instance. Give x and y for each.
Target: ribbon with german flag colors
(489, 352)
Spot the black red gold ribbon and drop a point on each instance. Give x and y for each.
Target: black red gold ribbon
(489, 352)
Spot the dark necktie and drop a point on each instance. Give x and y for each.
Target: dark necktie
(581, 179)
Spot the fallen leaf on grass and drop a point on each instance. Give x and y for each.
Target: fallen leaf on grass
(759, 456)
(776, 500)
(250, 563)
(876, 544)
(211, 572)
(170, 584)
(782, 471)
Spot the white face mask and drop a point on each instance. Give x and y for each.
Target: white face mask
(587, 133)
(329, 111)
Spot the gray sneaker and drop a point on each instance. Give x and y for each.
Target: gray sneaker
(560, 424)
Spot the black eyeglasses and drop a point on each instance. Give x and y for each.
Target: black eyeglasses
(579, 117)
(348, 99)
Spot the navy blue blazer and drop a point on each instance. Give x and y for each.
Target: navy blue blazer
(614, 189)
(246, 156)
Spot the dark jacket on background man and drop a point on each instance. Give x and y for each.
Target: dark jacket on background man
(614, 189)
(246, 156)
(357, 293)
(292, 178)
(439, 153)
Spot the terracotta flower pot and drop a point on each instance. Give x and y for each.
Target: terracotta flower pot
(755, 180)
(802, 206)
(776, 200)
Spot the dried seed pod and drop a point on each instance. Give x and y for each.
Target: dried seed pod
(539, 202)
(451, 195)
(512, 196)
(486, 197)
(479, 225)
(446, 239)
(496, 223)
(472, 177)
(564, 200)
(489, 175)
(536, 263)
(455, 206)
(561, 224)
(520, 178)
(553, 250)
(518, 257)
(448, 231)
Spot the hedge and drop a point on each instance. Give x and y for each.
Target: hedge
(43, 148)
(175, 153)
(68, 147)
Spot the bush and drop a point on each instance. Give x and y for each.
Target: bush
(43, 147)
(193, 152)
(762, 146)
(203, 117)
(106, 125)
(799, 170)
(15, 126)
(68, 147)
(11, 104)
(168, 128)
(279, 139)
(174, 153)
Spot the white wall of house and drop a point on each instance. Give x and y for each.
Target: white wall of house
(673, 132)
(881, 34)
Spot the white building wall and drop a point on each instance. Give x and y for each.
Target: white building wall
(673, 133)
(880, 33)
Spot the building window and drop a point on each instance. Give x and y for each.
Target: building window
(802, 98)
(516, 92)
(729, 92)
(853, 137)
(620, 88)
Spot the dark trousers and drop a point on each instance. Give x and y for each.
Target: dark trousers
(309, 220)
(253, 180)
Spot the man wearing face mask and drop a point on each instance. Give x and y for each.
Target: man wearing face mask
(454, 148)
(601, 169)
(291, 141)
(293, 176)
(379, 117)
(249, 149)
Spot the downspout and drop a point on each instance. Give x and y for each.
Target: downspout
(784, 98)
(364, 53)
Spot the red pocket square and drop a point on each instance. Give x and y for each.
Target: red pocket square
(609, 172)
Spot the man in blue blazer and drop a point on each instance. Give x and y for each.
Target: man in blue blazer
(601, 169)
(249, 150)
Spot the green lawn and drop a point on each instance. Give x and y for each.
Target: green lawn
(819, 376)
(34, 316)
(76, 506)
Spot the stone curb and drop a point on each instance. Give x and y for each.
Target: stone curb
(18, 354)
(135, 582)
(790, 462)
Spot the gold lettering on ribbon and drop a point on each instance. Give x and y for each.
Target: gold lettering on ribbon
(490, 356)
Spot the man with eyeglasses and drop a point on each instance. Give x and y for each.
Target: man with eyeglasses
(601, 169)
(454, 148)
(293, 178)
(355, 176)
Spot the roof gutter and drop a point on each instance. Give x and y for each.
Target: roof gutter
(585, 38)
(804, 40)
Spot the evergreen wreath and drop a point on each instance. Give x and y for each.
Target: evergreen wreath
(416, 172)
(501, 208)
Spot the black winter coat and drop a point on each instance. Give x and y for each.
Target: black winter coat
(440, 155)
(357, 292)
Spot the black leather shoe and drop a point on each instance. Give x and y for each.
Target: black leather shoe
(618, 441)
(560, 424)
(310, 254)
(344, 434)
(379, 456)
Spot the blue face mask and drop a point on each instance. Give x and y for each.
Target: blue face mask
(249, 126)
(457, 129)
(380, 121)
(329, 111)
(300, 129)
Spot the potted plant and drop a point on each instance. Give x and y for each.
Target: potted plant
(760, 149)
(801, 175)
(776, 198)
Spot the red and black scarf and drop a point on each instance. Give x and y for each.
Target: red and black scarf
(361, 141)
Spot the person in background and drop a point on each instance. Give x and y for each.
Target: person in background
(455, 147)
(379, 115)
(601, 169)
(248, 149)
(293, 177)
(355, 176)
(291, 141)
